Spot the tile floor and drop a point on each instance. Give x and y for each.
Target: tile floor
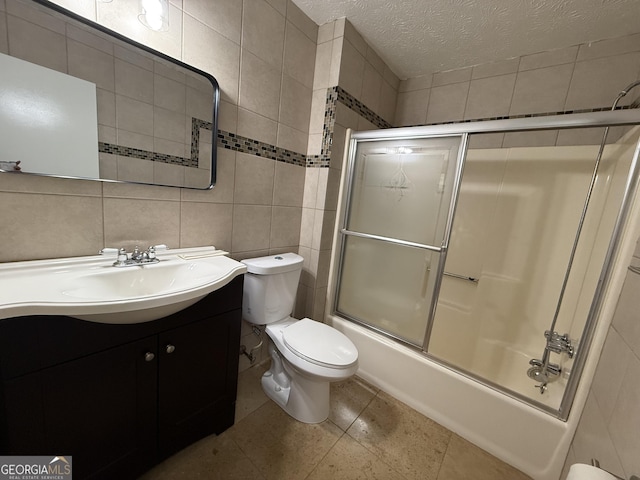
(369, 435)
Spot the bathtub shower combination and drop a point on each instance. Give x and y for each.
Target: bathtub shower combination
(478, 281)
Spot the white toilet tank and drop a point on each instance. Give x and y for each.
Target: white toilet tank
(270, 287)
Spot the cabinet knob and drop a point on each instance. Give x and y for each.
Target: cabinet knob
(171, 348)
(148, 357)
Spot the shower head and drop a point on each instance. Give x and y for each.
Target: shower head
(624, 92)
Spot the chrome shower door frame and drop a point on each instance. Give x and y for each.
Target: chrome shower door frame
(552, 122)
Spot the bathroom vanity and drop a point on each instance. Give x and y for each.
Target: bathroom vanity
(119, 398)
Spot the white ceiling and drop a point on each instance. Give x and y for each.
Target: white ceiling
(416, 37)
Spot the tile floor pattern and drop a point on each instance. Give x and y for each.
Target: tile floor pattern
(369, 435)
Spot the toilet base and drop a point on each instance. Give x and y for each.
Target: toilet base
(304, 399)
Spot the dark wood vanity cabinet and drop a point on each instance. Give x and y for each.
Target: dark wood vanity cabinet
(119, 398)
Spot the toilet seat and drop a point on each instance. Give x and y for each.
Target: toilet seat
(320, 344)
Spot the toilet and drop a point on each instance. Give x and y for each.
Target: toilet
(305, 355)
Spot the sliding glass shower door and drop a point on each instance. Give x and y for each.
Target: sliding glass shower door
(396, 230)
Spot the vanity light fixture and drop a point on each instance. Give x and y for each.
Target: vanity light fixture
(154, 14)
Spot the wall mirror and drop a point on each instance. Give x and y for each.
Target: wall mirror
(82, 101)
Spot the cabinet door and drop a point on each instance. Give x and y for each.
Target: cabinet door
(198, 380)
(102, 409)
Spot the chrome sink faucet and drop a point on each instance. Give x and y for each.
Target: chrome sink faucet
(136, 258)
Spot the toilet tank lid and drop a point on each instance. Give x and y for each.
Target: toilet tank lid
(284, 262)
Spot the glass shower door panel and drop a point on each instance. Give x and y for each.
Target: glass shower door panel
(401, 189)
(387, 287)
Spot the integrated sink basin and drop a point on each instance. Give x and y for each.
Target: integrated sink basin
(91, 288)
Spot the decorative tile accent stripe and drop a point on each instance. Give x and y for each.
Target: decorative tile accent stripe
(238, 143)
(336, 94)
(360, 108)
(121, 151)
(525, 115)
(196, 125)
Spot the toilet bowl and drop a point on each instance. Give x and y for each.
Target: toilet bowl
(305, 355)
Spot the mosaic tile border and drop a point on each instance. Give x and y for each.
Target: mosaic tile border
(238, 143)
(335, 95)
(193, 161)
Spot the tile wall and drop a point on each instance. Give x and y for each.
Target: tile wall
(609, 426)
(579, 78)
(266, 90)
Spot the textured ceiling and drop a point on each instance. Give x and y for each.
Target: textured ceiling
(416, 37)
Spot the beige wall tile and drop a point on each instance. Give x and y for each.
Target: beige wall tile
(490, 97)
(36, 16)
(388, 101)
(541, 90)
(172, 95)
(223, 190)
(391, 78)
(260, 85)
(288, 185)
(263, 31)
(285, 227)
(170, 125)
(371, 87)
(351, 69)
(299, 55)
(228, 117)
(26, 218)
(548, 59)
(251, 228)
(595, 83)
(36, 44)
(625, 320)
(224, 17)
(447, 103)
(611, 47)
(325, 32)
(257, 127)
(197, 104)
(495, 68)
(310, 187)
(608, 378)
(318, 107)
(156, 222)
(106, 107)
(142, 192)
(292, 139)
(207, 50)
(4, 44)
(375, 61)
(416, 83)
(302, 22)
(452, 76)
(352, 35)
(94, 66)
(295, 105)
(279, 5)
(134, 116)
(307, 222)
(134, 82)
(625, 421)
(314, 146)
(168, 174)
(254, 180)
(134, 170)
(412, 108)
(206, 224)
(336, 61)
(322, 68)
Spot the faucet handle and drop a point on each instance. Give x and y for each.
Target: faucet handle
(151, 252)
(122, 255)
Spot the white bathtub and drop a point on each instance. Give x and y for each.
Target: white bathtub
(532, 441)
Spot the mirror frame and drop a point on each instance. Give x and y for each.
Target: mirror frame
(214, 83)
